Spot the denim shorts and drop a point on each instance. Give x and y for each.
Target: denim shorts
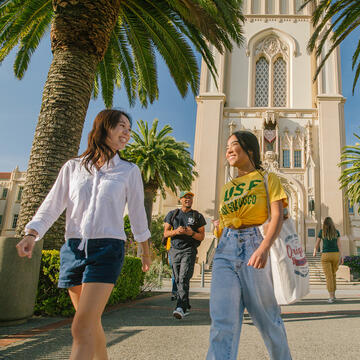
(103, 263)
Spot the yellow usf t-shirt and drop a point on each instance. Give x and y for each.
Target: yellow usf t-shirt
(244, 203)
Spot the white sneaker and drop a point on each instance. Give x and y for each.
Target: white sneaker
(178, 313)
(331, 301)
(187, 312)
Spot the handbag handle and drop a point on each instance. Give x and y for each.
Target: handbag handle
(267, 194)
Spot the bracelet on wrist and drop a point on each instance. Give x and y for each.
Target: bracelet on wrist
(28, 234)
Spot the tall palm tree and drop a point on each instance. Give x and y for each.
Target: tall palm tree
(350, 177)
(163, 161)
(105, 43)
(345, 16)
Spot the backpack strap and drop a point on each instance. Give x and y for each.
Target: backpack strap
(174, 216)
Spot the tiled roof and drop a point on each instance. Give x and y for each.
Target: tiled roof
(5, 175)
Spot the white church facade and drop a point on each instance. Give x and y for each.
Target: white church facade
(266, 87)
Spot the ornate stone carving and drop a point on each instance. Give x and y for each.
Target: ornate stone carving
(272, 46)
(270, 116)
(299, 178)
(270, 162)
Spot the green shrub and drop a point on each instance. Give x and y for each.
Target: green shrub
(157, 233)
(157, 271)
(353, 262)
(130, 281)
(53, 301)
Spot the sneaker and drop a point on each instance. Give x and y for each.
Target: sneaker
(187, 312)
(331, 301)
(178, 313)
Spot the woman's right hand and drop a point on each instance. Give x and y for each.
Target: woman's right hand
(25, 246)
(314, 252)
(216, 223)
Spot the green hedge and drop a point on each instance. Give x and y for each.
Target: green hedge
(53, 301)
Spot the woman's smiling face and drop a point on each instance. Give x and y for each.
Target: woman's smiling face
(235, 154)
(118, 137)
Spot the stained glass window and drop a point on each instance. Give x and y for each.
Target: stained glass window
(262, 83)
(280, 83)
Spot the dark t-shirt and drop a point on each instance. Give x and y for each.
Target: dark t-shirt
(329, 245)
(191, 218)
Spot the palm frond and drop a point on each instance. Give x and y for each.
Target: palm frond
(163, 161)
(143, 27)
(350, 175)
(345, 17)
(107, 70)
(29, 43)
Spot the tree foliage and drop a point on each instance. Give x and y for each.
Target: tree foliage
(350, 176)
(143, 28)
(334, 20)
(163, 161)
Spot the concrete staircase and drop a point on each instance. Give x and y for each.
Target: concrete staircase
(317, 277)
(196, 280)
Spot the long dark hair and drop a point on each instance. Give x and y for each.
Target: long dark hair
(250, 144)
(97, 147)
(329, 230)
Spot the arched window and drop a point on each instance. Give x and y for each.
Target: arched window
(262, 83)
(280, 83)
(271, 73)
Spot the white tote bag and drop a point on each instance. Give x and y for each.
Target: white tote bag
(289, 267)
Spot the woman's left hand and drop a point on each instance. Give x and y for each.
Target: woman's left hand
(259, 258)
(341, 260)
(146, 262)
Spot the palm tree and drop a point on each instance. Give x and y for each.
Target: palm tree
(163, 161)
(105, 43)
(350, 177)
(346, 18)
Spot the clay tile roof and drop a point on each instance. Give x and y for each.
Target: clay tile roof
(5, 175)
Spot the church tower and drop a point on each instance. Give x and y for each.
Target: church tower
(266, 87)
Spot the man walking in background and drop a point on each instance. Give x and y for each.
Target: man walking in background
(186, 228)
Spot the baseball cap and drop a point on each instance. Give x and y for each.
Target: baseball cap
(183, 193)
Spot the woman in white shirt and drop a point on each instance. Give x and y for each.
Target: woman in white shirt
(93, 189)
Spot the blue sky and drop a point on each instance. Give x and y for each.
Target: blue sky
(20, 102)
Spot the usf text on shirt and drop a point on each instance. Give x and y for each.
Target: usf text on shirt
(95, 202)
(243, 200)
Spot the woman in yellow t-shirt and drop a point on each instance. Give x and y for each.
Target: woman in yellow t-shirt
(241, 275)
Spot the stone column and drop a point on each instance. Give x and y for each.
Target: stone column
(331, 141)
(208, 155)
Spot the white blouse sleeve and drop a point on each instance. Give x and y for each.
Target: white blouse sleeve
(135, 200)
(53, 205)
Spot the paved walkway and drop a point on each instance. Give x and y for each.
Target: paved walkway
(146, 330)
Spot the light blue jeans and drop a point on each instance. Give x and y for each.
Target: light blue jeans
(236, 286)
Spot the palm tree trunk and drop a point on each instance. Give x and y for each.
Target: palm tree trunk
(80, 35)
(65, 101)
(149, 196)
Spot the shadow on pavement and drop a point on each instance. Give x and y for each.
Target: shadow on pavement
(44, 346)
(322, 301)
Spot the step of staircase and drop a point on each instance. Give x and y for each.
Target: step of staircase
(316, 273)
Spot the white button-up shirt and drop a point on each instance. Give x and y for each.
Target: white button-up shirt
(95, 202)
